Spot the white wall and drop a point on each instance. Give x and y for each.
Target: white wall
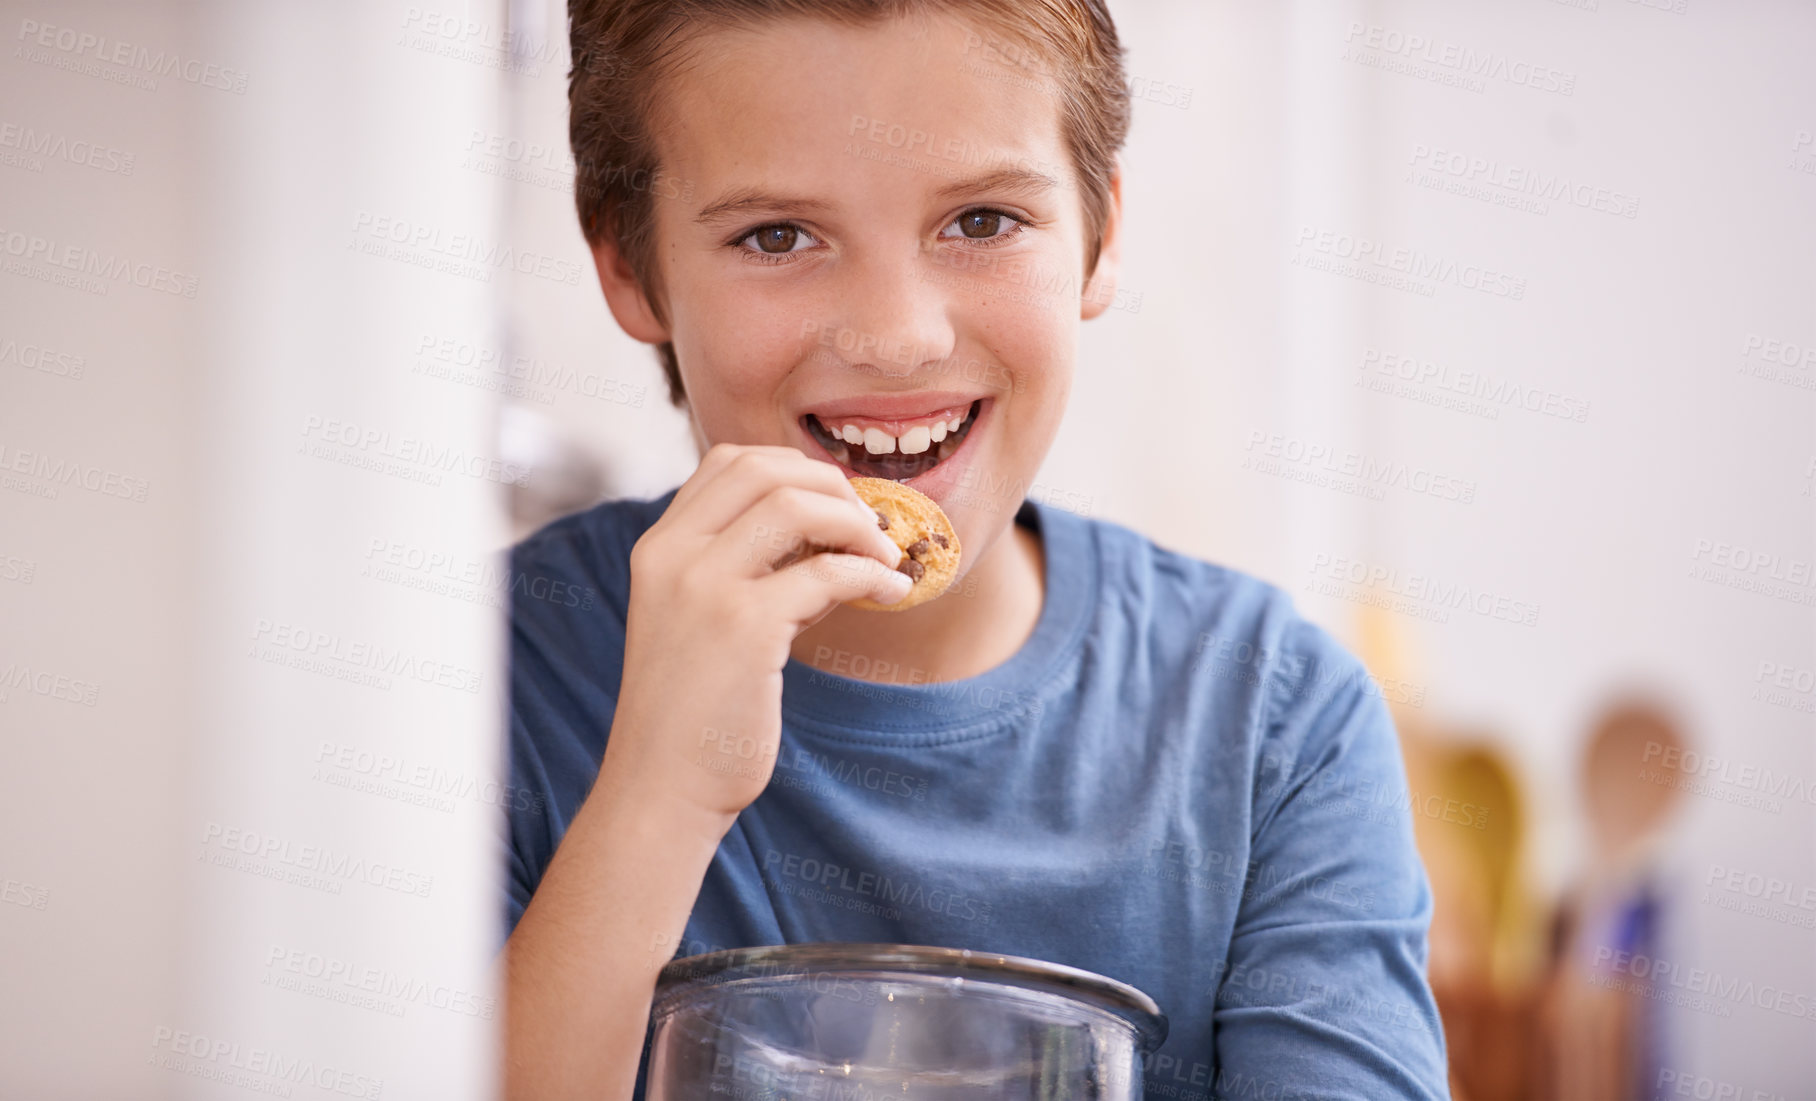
(1687, 119)
(348, 953)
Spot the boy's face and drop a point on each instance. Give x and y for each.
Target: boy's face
(873, 253)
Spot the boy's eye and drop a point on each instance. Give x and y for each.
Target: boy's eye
(981, 224)
(779, 239)
(782, 238)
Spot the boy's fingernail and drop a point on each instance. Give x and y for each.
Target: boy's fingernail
(899, 586)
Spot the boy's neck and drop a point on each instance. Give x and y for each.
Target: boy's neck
(979, 624)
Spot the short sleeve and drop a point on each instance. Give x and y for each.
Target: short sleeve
(568, 593)
(519, 883)
(1324, 991)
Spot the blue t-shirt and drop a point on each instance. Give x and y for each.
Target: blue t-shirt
(1177, 782)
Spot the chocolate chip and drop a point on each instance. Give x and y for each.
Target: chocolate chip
(882, 522)
(918, 548)
(912, 568)
(941, 540)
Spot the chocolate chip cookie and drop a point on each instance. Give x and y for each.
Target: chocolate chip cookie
(918, 526)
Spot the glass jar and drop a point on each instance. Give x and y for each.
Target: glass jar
(865, 1022)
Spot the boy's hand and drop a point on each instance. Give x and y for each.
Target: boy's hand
(711, 619)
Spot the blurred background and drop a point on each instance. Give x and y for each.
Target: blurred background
(1485, 329)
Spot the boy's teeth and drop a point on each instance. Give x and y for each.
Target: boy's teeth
(916, 440)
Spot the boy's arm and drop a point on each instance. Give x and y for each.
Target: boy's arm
(582, 962)
(1324, 993)
(706, 630)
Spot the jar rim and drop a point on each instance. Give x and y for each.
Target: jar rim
(1127, 1002)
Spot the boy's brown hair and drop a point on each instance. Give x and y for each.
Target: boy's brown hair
(622, 49)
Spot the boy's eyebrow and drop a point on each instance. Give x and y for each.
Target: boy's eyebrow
(740, 200)
(1025, 180)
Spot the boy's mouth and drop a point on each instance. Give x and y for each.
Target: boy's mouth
(893, 448)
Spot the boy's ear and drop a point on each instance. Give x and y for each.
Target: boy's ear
(629, 305)
(1100, 292)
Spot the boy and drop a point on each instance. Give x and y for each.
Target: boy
(862, 235)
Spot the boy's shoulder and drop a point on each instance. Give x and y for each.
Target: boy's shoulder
(1242, 645)
(1234, 624)
(591, 540)
(570, 579)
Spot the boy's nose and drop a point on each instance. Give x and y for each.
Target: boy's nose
(897, 320)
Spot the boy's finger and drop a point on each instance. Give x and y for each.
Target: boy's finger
(749, 477)
(805, 591)
(714, 462)
(790, 522)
